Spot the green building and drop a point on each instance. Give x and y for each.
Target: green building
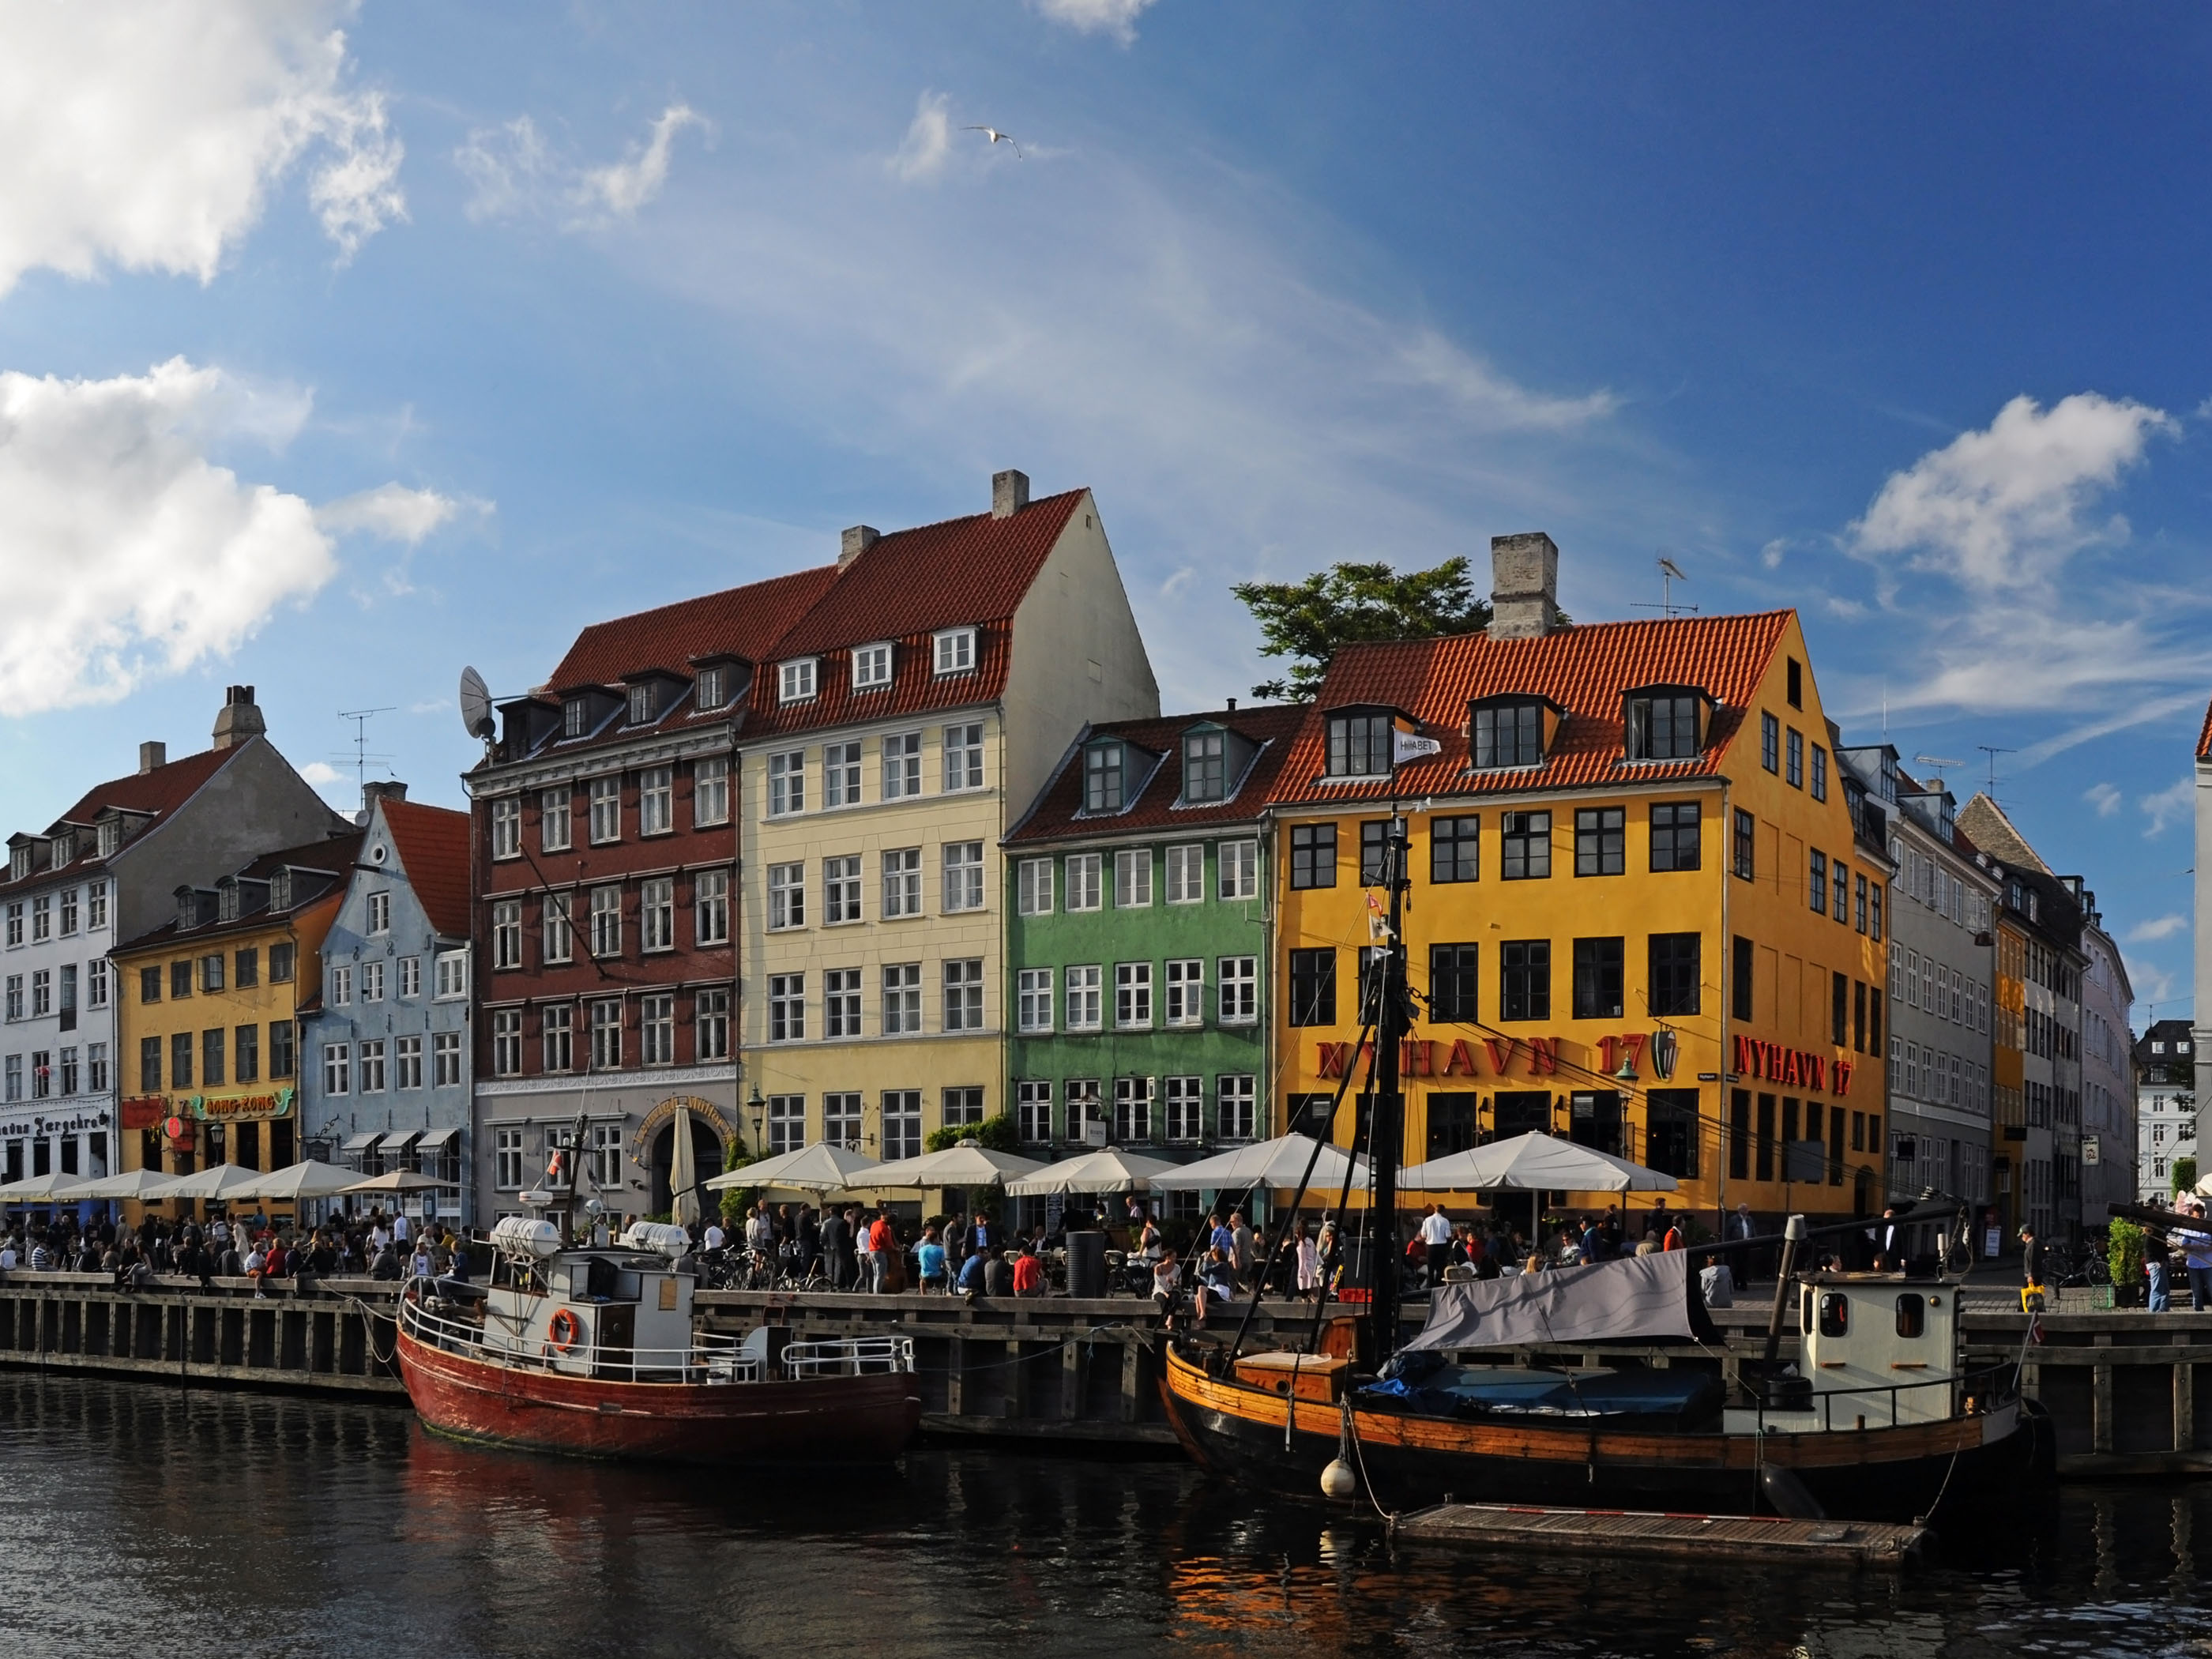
(1139, 917)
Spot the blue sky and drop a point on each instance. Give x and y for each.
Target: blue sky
(340, 346)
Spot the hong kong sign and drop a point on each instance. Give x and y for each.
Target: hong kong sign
(225, 1108)
(1793, 1068)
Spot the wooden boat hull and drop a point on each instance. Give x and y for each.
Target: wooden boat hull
(1282, 1445)
(845, 1419)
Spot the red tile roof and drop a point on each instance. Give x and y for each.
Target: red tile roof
(1584, 670)
(1057, 813)
(433, 848)
(744, 621)
(157, 794)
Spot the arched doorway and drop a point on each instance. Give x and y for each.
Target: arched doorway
(706, 1158)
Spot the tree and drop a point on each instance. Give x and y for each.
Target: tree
(2184, 1174)
(994, 1134)
(1307, 621)
(736, 1200)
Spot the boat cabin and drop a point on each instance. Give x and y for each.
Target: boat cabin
(1875, 1350)
(621, 1312)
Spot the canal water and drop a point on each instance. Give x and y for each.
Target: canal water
(136, 1520)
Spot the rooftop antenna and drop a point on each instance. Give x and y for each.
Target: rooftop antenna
(1992, 750)
(360, 718)
(1940, 766)
(1669, 574)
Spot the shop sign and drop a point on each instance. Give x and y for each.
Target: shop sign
(1793, 1068)
(37, 1125)
(1498, 1056)
(236, 1108)
(144, 1111)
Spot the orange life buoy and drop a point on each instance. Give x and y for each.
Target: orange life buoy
(565, 1329)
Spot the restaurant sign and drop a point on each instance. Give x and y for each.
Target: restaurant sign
(1793, 1068)
(38, 1126)
(230, 1108)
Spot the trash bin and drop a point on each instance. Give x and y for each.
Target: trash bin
(1086, 1265)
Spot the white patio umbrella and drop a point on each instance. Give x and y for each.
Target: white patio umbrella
(43, 1189)
(820, 1167)
(684, 1176)
(308, 1179)
(967, 1165)
(1533, 1163)
(140, 1184)
(395, 1181)
(1279, 1165)
(1112, 1170)
(216, 1180)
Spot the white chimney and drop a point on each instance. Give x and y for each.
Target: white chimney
(151, 755)
(1009, 493)
(1524, 587)
(857, 540)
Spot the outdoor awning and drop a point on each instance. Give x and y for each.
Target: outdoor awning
(398, 1141)
(359, 1143)
(440, 1137)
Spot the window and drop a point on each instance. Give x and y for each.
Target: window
(901, 1123)
(280, 958)
(1770, 743)
(1237, 1002)
(180, 980)
(786, 1123)
(787, 783)
(406, 1063)
(1796, 682)
(1033, 1111)
(963, 875)
(16, 919)
(246, 969)
(452, 970)
(1740, 978)
(640, 704)
(786, 1007)
(42, 1073)
(372, 981)
(1374, 852)
(656, 800)
(506, 1044)
(963, 995)
(840, 1121)
(96, 981)
(372, 1067)
(1598, 976)
(95, 901)
(1313, 855)
(379, 912)
(507, 827)
(1746, 834)
(1185, 983)
(15, 1089)
(573, 717)
(1133, 996)
(1509, 734)
(1525, 846)
(707, 689)
(67, 1005)
(1359, 746)
(69, 912)
(1132, 1108)
(956, 650)
(557, 1025)
(1601, 841)
(1454, 976)
(341, 984)
(606, 810)
(1842, 909)
(212, 968)
(710, 1036)
(1820, 772)
(337, 1066)
(1671, 1139)
(1033, 887)
(1524, 989)
(787, 896)
(1236, 1106)
(903, 766)
(1084, 995)
(1663, 728)
(1033, 1005)
(606, 922)
(1103, 768)
(656, 1029)
(1839, 1004)
(710, 791)
(1859, 903)
(507, 1160)
(606, 1036)
(16, 992)
(1205, 766)
(872, 665)
(1085, 880)
(283, 1038)
(1236, 869)
(963, 756)
(902, 881)
(1455, 847)
(841, 774)
(1794, 770)
(656, 914)
(558, 931)
(794, 681)
(1133, 878)
(710, 908)
(1674, 836)
(95, 1067)
(1313, 986)
(1187, 874)
(903, 998)
(1818, 865)
(841, 892)
(1676, 974)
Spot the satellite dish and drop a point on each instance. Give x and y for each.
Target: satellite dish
(476, 705)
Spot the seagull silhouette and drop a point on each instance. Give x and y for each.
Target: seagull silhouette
(997, 137)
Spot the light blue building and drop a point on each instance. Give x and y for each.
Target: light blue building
(384, 1041)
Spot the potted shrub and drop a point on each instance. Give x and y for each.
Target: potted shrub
(2124, 1255)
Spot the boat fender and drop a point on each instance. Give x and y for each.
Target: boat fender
(564, 1330)
(1338, 1480)
(1788, 1494)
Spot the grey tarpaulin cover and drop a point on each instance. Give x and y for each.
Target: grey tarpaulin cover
(1640, 1295)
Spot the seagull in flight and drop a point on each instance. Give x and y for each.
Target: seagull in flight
(997, 138)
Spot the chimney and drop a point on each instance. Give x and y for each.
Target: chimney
(857, 540)
(1232, 705)
(1009, 493)
(240, 717)
(1524, 587)
(151, 755)
(381, 789)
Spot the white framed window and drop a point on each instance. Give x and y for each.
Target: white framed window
(841, 774)
(445, 1059)
(372, 981)
(955, 650)
(1237, 869)
(794, 681)
(95, 983)
(341, 973)
(1083, 871)
(1185, 982)
(560, 927)
(606, 1036)
(338, 1067)
(1239, 996)
(574, 716)
(42, 917)
(16, 995)
(1033, 1010)
(1033, 1110)
(507, 827)
(711, 1024)
(656, 1029)
(407, 1062)
(841, 1120)
(606, 922)
(963, 995)
(902, 881)
(901, 1123)
(372, 1067)
(379, 912)
(656, 800)
(841, 1002)
(506, 1042)
(707, 689)
(411, 978)
(507, 1160)
(640, 704)
(555, 821)
(787, 783)
(1185, 1098)
(841, 890)
(963, 875)
(786, 1123)
(1186, 873)
(901, 765)
(1133, 878)
(786, 1007)
(656, 914)
(710, 908)
(872, 665)
(1133, 996)
(606, 810)
(1084, 1111)
(452, 974)
(95, 1067)
(1132, 1108)
(903, 998)
(69, 912)
(95, 905)
(963, 756)
(1083, 998)
(1033, 887)
(1235, 1106)
(14, 922)
(787, 896)
(710, 791)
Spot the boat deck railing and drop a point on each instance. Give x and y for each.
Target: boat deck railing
(851, 1356)
(1969, 1393)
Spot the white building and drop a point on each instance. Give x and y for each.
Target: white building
(2165, 1105)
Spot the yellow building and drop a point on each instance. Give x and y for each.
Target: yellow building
(207, 1008)
(1646, 908)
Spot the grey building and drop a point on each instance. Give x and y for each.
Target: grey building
(2108, 1081)
(388, 1029)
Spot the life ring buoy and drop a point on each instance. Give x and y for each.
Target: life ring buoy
(565, 1330)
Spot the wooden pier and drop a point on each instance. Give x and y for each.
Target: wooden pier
(1630, 1532)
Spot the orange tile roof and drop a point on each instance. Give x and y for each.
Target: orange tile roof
(744, 621)
(433, 848)
(1584, 670)
(157, 792)
(1056, 815)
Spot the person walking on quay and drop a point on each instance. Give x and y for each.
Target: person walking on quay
(1241, 1257)
(2030, 1257)
(1309, 1265)
(882, 1242)
(836, 1246)
(1435, 1239)
(2156, 1255)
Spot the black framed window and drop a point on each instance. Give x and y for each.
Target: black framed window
(1601, 840)
(1598, 978)
(1662, 727)
(1454, 976)
(1524, 979)
(1739, 1165)
(1524, 846)
(1740, 973)
(1455, 847)
(1747, 832)
(1674, 836)
(1519, 1112)
(1840, 1007)
(1676, 974)
(1313, 986)
(1817, 865)
(1358, 745)
(1313, 855)
(1509, 734)
(1793, 771)
(1670, 1135)
(1451, 1123)
(1374, 851)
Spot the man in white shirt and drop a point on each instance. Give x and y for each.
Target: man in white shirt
(399, 1230)
(1435, 1234)
(715, 1238)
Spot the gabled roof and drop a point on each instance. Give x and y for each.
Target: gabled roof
(433, 849)
(1995, 833)
(1584, 670)
(152, 794)
(740, 622)
(1057, 815)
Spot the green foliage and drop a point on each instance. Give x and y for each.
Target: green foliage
(2124, 1251)
(1307, 621)
(997, 1135)
(2184, 1174)
(736, 1200)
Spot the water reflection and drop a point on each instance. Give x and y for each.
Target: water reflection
(151, 1521)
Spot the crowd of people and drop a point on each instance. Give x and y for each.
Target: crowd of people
(269, 1253)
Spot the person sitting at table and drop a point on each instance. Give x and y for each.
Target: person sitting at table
(972, 1276)
(1217, 1281)
(1029, 1272)
(997, 1274)
(929, 1257)
(1167, 1280)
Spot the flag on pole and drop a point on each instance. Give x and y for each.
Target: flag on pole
(1405, 746)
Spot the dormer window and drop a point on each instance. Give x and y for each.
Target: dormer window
(709, 688)
(1104, 774)
(640, 704)
(63, 850)
(1509, 731)
(956, 650)
(1662, 724)
(1359, 746)
(573, 717)
(110, 838)
(19, 864)
(795, 680)
(280, 890)
(1205, 766)
(226, 903)
(871, 666)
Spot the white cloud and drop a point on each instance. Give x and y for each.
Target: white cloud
(2164, 927)
(148, 137)
(393, 512)
(506, 165)
(2104, 797)
(928, 140)
(516, 172)
(1770, 554)
(321, 773)
(2168, 805)
(124, 550)
(1489, 397)
(623, 187)
(1116, 17)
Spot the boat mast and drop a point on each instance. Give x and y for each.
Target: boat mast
(1386, 1122)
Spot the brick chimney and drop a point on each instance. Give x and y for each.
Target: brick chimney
(151, 755)
(1524, 587)
(857, 540)
(1009, 493)
(239, 718)
(381, 789)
